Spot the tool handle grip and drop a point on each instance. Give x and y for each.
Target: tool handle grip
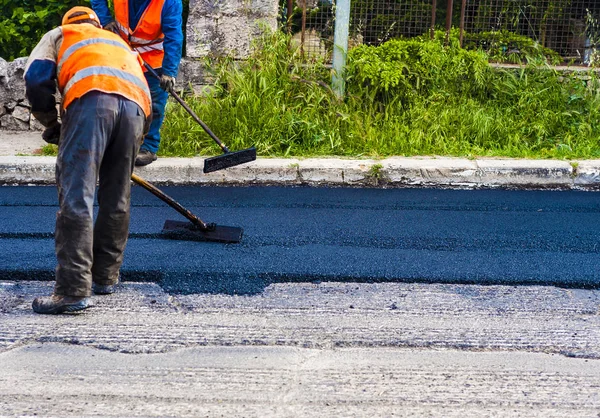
(171, 202)
(190, 111)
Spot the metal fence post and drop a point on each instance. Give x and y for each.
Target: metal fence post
(340, 45)
(449, 8)
(303, 28)
(290, 13)
(433, 13)
(463, 8)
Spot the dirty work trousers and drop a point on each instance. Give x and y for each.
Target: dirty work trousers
(159, 102)
(99, 140)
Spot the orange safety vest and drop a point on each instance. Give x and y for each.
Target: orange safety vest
(92, 59)
(147, 38)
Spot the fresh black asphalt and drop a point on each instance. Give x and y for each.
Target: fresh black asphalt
(308, 234)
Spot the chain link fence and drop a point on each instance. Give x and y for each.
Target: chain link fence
(568, 29)
(563, 26)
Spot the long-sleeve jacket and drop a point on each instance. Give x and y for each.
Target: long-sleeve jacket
(171, 21)
(40, 77)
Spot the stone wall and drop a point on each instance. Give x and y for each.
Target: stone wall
(214, 27)
(14, 108)
(222, 27)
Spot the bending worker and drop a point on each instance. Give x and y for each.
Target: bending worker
(105, 105)
(153, 28)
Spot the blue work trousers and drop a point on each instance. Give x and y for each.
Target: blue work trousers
(159, 102)
(99, 140)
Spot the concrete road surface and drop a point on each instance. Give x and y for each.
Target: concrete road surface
(305, 350)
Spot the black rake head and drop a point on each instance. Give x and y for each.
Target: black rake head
(187, 231)
(229, 159)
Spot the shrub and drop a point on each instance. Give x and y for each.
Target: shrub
(409, 69)
(22, 27)
(505, 46)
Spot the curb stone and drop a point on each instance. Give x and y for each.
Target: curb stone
(390, 172)
(515, 173)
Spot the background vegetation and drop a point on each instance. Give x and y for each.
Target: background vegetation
(405, 97)
(23, 23)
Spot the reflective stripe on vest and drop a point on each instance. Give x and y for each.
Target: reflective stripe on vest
(133, 40)
(147, 37)
(85, 42)
(89, 71)
(139, 41)
(153, 47)
(123, 30)
(92, 59)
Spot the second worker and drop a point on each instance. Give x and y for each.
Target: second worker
(154, 29)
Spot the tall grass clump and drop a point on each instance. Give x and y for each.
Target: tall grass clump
(404, 97)
(272, 100)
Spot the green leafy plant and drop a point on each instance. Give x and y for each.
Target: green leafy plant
(404, 70)
(375, 173)
(23, 23)
(49, 150)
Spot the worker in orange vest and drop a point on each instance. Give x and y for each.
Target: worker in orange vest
(105, 109)
(154, 29)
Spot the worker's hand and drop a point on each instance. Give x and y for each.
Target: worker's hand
(112, 27)
(52, 133)
(167, 82)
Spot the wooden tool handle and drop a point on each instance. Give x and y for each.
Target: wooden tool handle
(171, 202)
(191, 112)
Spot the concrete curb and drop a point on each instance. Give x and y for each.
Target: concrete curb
(389, 172)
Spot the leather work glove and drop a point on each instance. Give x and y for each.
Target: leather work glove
(52, 133)
(112, 27)
(167, 82)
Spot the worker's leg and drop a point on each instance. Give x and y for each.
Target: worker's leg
(87, 125)
(114, 191)
(159, 102)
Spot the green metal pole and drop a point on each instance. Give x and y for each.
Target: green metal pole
(340, 45)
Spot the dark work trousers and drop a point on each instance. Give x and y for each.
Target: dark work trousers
(100, 136)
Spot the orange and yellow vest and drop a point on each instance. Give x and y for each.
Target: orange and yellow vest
(147, 38)
(92, 59)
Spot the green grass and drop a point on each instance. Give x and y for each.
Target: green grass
(50, 150)
(406, 97)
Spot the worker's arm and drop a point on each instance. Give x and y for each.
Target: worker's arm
(171, 21)
(40, 78)
(102, 10)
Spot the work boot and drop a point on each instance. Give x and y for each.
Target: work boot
(145, 157)
(56, 304)
(105, 289)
